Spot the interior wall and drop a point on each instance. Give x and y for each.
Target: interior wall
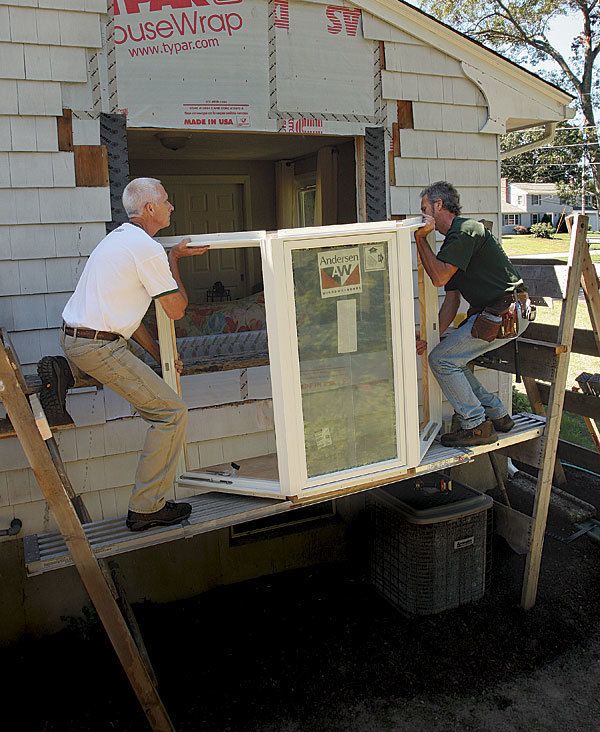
(261, 173)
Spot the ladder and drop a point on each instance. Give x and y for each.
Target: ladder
(99, 576)
(548, 362)
(580, 273)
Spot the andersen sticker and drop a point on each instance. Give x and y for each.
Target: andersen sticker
(339, 272)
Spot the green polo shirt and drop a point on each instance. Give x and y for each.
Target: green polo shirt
(484, 272)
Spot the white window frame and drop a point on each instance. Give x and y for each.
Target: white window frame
(515, 222)
(536, 199)
(276, 249)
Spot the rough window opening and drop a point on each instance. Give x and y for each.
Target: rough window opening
(228, 182)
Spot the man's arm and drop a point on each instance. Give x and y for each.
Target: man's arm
(449, 309)
(175, 303)
(146, 341)
(439, 272)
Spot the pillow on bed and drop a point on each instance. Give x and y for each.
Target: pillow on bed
(248, 313)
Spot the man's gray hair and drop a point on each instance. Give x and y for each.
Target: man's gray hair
(444, 192)
(140, 192)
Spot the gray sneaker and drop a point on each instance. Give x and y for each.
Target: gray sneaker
(170, 513)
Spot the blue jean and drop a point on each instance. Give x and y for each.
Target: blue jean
(448, 361)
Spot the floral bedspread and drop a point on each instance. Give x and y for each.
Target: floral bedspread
(235, 316)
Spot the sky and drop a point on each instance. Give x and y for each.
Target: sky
(562, 31)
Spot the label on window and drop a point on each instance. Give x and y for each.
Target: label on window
(339, 272)
(347, 326)
(323, 438)
(374, 255)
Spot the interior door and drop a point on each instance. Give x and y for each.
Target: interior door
(209, 208)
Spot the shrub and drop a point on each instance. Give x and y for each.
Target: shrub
(518, 229)
(543, 231)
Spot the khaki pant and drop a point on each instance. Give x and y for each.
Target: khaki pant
(112, 363)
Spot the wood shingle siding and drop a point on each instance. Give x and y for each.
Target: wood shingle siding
(48, 226)
(54, 27)
(28, 134)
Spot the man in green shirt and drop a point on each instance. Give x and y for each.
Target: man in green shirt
(470, 263)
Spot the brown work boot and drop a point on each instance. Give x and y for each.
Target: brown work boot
(504, 424)
(170, 513)
(483, 434)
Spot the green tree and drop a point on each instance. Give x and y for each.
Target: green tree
(557, 162)
(518, 29)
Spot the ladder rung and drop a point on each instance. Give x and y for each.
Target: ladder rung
(556, 347)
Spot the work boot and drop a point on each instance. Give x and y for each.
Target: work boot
(170, 513)
(483, 434)
(57, 378)
(504, 424)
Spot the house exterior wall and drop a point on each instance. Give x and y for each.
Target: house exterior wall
(525, 205)
(49, 225)
(48, 231)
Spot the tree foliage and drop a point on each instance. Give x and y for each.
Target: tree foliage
(556, 162)
(518, 29)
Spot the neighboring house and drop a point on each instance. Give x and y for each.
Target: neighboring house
(525, 204)
(257, 115)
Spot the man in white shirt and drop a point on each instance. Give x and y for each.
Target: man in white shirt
(125, 272)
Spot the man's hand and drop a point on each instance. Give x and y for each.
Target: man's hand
(178, 364)
(182, 249)
(429, 226)
(421, 344)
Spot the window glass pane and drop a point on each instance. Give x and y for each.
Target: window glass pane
(343, 320)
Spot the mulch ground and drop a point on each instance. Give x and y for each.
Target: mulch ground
(300, 651)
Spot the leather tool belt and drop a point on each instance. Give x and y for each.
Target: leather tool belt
(96, 335)
(501, 318)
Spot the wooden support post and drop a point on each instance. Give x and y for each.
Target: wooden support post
(100, 593)
(549, 439)
(167, 345)
(535, 399)
(499, 477)
(591, 290)
(594, 431)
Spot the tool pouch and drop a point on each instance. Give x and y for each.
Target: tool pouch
(486, 326)
(497, 320)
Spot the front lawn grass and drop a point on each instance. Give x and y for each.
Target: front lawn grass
(573, 427)
(519, 245)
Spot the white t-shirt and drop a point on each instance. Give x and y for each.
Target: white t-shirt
(124, 272)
